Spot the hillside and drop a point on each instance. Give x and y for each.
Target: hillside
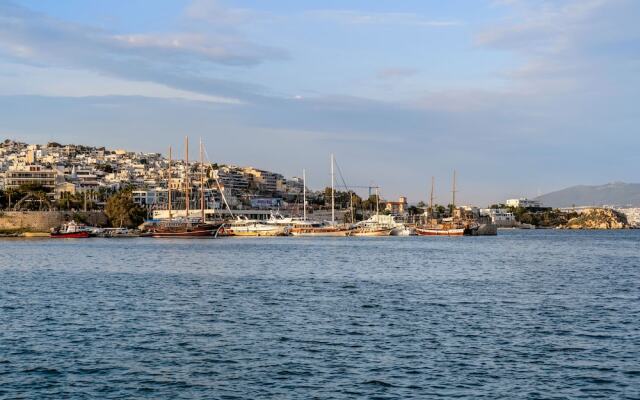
(610, 194)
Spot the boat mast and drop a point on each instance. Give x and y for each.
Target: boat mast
(304, 195)
(187, 199)
(431, 198)
(453, 204)
(377, 202)
(169, 184)
(202, 182)
(333, 196)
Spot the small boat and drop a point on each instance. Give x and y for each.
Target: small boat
(36, 234)
(439, 231)
(71, 231)
(118, 233)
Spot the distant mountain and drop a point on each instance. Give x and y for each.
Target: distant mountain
(617, 193)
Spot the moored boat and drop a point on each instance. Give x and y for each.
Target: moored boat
(245, 227)
(184, 229)
(371, 231)
(71, 231)
(315, 230)
(439, 231)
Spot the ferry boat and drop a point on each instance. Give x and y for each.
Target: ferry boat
(71, 231)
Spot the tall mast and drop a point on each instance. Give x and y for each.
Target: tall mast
(453, 204)
(304, 195)
(187, 199)
(333, 195)
(169, 184)
(202, 182)
(377, 202)
(431, 198)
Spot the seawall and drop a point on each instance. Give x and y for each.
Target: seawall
(43, 221)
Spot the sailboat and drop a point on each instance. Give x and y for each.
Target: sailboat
(448, 226)
(311, 228)
(185, 227)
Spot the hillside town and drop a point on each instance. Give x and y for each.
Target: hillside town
(77, 177)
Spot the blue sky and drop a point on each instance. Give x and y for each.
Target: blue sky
(519, 96)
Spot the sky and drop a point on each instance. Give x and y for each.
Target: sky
(519, 97)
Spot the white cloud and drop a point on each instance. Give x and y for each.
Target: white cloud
(396, 73)
(354, 17)
(19, 79)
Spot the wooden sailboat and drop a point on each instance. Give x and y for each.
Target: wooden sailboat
(449, 226)
(184, 227)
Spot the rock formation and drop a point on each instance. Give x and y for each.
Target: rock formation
(597, 218)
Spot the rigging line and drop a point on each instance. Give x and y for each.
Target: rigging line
(204, 148)
(340, 173)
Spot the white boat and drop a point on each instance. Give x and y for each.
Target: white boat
(388, 222)
(247, 227)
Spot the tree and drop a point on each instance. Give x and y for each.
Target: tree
(122, 211)
(413, 210)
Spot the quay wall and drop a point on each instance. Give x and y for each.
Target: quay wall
(43, 221)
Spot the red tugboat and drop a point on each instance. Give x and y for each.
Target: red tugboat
(70, 231)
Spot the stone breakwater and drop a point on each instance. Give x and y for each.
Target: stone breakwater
(597, 218)
(43, 221)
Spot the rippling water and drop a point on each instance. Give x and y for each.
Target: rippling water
(533, 314)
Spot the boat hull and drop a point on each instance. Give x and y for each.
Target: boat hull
(439, 232)
(202, 231)
(254, 233)
(73, 235)
(319, 232)
(372, 233)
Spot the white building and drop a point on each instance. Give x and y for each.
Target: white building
(523, 203)
(500, 216)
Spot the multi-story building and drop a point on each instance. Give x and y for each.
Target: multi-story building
(265, 181)
(31, 175)
(523, 203)
(231, 179)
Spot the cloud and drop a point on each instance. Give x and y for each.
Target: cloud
(181, 61)
(396, 73)
(352, 17)
(582, 47)
(214, 12)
